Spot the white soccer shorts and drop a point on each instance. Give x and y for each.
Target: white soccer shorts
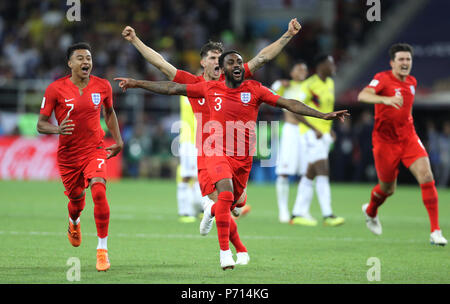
(291, 154)
(317, 148)
(188, 160)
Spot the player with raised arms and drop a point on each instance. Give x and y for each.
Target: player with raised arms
(229, 158)
(209, 54)
(395, 140)
(77, 100)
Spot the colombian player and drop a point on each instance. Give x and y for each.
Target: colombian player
(229, 158)
(318, 93)
(189, 196)
(209, 54)
(291, 154)
(395, 140)
(77, 100)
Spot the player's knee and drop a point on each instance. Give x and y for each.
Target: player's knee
(98, 191)
(389, 190)
(76, 193)
(425, 176)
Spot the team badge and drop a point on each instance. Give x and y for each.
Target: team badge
(246, 97)
(413, 90)
(96, 98)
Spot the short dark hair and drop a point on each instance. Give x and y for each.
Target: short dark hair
(400, 47)
(77, 46)
(222, 57)
(318, 59)
(211, 46)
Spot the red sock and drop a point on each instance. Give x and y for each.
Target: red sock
(430, 200)
(75, 207)
(234, 237)
(377, 197)
(223, 217)
(213, 209)
(101, 209)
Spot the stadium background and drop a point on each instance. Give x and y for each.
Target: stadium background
(34, 36)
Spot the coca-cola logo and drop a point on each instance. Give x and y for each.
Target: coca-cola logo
(28, 158)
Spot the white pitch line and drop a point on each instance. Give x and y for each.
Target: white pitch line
(245, 237)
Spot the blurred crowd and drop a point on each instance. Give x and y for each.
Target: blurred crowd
(35, 34)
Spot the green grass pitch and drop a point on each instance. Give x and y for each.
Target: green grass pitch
(147, 245)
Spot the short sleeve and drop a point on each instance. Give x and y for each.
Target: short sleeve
(305, 93)
(185, 77)
(377, 83)
(197, 90)
(268, 96)
(108, 101)
(48, 101)
(248, 73)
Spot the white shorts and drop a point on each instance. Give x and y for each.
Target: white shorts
(317, 148)
(291, 154)
(188, 160)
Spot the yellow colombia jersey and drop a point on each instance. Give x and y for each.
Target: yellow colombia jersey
(318, 95)
(293, 91)
(188, 123)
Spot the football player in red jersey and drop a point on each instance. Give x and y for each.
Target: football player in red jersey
(209, 54)
(233, 102)
(395, 140)
(77, 100)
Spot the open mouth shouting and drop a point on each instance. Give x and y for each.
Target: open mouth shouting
(216, 72)
(85, 69)
(237, 73)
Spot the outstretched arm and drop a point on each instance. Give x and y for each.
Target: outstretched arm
(159, 87)
(298, 107)
(149, 54)
(272, 50)
(368, 95)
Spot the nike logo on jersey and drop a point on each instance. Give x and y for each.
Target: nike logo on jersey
(67, 100)
(217, 94)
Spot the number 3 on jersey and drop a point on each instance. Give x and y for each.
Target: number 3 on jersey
(218, 102)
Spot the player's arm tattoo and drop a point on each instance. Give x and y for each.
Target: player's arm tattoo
(162, 87)
(298, 107)
(268, 53)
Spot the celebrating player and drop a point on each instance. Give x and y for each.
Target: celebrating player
(233, 102)
(318, 93)
(394, 139)
(77, 100)
(209, 54)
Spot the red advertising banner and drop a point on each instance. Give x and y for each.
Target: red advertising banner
(25, 158)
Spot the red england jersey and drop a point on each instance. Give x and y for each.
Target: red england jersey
(63, 97)
(200, 108)
(391, 124)
(233, 114)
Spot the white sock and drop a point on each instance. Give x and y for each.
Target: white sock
(198, 198)
(305, 194)
(103, 243)
(76, 222)
(282, 186)
(324, 194)
(185, 199)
